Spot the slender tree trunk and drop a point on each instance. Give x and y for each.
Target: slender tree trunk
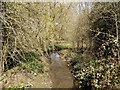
(0, 44)
(82, 43)
(0, 40)
(78, 44)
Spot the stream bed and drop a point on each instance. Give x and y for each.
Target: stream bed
(60, 74)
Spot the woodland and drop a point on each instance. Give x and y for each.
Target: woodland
(84, 34)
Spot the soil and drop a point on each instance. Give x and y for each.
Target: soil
(22, 78)
(19, 78)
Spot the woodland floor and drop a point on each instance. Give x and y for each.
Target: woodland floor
(21, 78)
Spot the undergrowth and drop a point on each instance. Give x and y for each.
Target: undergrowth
(15, 87)
(96, 73)
(31, 62)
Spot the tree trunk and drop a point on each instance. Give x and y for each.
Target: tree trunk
(0, 40)
(78, 44)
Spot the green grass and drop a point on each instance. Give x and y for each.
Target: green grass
(64, 45)
(15, 87)
(31, 62)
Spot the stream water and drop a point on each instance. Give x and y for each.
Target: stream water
(60, 73)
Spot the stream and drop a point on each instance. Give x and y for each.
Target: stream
(60, 73)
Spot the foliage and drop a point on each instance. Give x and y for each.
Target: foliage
(71, 54)
(4, 81)
(108, 49)
(99, 74)
(31, 29)
(103, 71)
(32, 63)
(79, 59)
(105, 27)
(9, 73)
(64, 46)
(14, 87)
(0, 78)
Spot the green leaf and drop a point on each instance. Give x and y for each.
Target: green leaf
(0, 78)
(101, 28)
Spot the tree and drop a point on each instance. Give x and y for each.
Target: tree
(105, 18)
(79, 24)
(30, 27)
(0, 40)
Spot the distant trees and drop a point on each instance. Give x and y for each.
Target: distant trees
(78, 27)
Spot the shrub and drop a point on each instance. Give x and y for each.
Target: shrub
(99, 74)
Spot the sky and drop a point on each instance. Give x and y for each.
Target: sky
(60, 0)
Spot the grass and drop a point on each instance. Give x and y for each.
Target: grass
(32, 63)
(15, 87)
(63, 46)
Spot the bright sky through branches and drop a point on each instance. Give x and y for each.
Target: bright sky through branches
(60, 0)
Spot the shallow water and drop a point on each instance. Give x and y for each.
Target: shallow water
(60, 73)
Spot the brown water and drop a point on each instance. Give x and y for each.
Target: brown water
(60, 73)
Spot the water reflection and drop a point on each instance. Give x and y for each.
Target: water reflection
(60, 73)
(55, 58)
(52, 56)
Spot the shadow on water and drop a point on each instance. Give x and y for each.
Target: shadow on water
(60, 73)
